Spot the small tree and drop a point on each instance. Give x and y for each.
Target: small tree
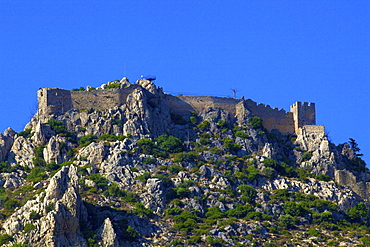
(352, 143)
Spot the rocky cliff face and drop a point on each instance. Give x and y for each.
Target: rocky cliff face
(53, 217)
(138, 175)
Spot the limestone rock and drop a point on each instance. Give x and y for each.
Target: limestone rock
(21, 152)
(6, 142)
(12, 180)
(53, 150)
(154, 198)
(107, 235)
(94, 153)
(59, 210)
(42, 134)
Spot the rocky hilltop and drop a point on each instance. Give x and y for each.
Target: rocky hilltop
(142, 174)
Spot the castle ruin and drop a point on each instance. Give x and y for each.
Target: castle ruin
(302, 115)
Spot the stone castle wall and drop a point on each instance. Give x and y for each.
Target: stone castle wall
(57, 101)
(272, 118)
(303, 114)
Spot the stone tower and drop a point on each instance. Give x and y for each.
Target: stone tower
(303, 114)
(53, 101)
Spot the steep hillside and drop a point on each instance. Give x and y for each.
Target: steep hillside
(140, 174)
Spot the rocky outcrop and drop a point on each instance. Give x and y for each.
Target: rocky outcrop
(6, 142)
(22, 152)
(55, 215)
(154, 196)
(13, 179)
(53, 151)
(94, 153)
(107, 235)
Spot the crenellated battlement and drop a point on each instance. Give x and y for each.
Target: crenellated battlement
(58, 101)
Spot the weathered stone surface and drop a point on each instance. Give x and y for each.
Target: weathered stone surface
(21, 152)
(323, 190)
(153, 198)
(6, 142)
(107, 235)
(60, 210)
(53, 150)
(12, 180)
(94, 153)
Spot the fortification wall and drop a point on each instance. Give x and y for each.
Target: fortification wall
(199, 103)
(58, 101)
(303, 114)
(272, 118)
(101, 99)
(54, 101)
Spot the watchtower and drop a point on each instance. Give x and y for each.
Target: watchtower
(54, 101)
(303, 114)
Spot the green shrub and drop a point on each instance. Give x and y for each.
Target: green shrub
(147, 146)
(78, 89)
(323, 177)
(314, 232)
(204, 125)
(170, 143)
(52, 166)
(247, 190)
(86, 140)
(324, 217)
(114, 190)
(130, 234)
(27, 133)
(253, 173)
(214, 213)
(5, 238)
(5, 167)
(149, 160)
(254, 216)
(186, 157)
(194, 119)
(231, 145)
(50, 207)
(240, 211)
(174, 169)
(60, 129)
(113, 85)
(294, 209)
(144, 177)
(111, 137)
(29, 227)
(101, 181)
(141, 210)
(241, 134)
(173, 211)
(37, 174)
(182, 192)
(19, 245)
(34, 215)
(185, 215)
(255, 122)
(358, 213)
(194, 240)
(287, 221)
(11, 204)
(306, 156)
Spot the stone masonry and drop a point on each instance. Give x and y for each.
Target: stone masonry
(58, 101)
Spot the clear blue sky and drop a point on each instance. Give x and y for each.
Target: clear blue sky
(274, 52)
